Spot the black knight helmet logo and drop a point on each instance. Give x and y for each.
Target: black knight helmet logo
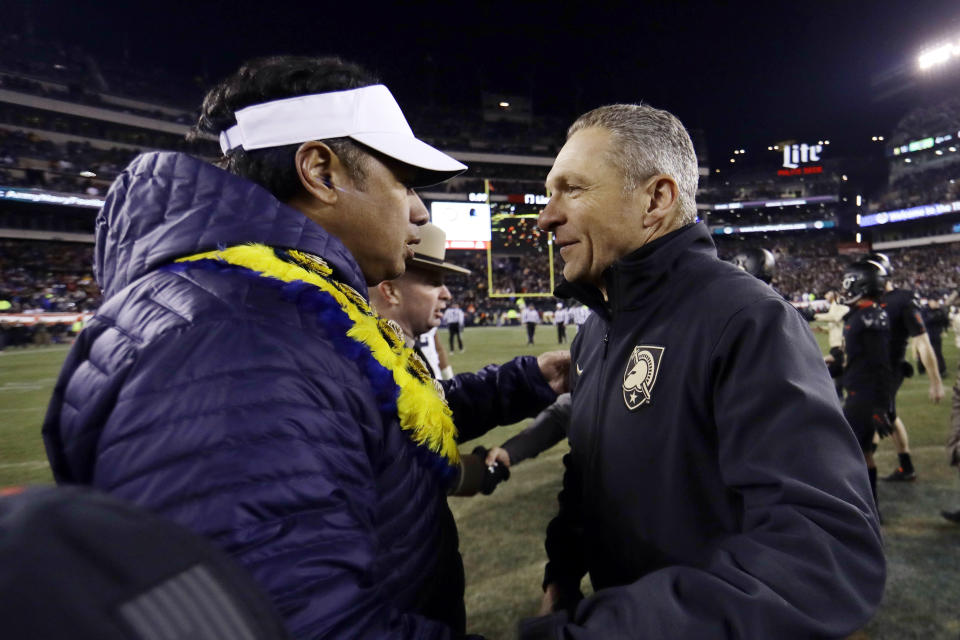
(640, 375)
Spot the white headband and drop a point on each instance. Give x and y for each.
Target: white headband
(369, 115)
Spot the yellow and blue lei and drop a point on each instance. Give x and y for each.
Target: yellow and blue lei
(401, 383)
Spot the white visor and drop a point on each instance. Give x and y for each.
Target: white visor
(369, 115)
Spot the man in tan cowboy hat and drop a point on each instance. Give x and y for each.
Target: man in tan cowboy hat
(416, 300)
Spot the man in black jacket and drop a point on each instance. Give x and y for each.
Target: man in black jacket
(713, 487)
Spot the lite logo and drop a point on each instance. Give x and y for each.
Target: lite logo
(795, 153)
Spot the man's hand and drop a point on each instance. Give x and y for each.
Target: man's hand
(498, 455)
(556, 599)
(929, 359)
(551, 596)
(936, 390)
(493, 473)
(555, 367)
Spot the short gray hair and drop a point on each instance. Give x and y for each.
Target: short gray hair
(648, 141)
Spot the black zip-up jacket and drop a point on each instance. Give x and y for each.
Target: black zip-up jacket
(713, 488)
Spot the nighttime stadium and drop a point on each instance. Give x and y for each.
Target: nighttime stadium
(702, 258)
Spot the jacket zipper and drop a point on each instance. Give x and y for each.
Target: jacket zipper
(601, 412)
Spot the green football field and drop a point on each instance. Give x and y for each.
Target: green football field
(501, 536)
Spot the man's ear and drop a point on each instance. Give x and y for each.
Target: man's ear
(390, 292)
(663, 199)
(320, 171)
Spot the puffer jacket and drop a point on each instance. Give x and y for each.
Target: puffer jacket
(213, 398)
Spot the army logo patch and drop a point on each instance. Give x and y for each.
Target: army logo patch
(640, 375)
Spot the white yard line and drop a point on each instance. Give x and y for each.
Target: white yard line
(32, 464)
(10, 352)
(23, 386)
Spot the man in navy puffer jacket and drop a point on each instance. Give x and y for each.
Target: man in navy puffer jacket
(235, 381)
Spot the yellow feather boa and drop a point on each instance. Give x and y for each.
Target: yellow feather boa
(422, 411)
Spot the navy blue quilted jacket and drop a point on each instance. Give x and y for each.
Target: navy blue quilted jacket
(211, 398)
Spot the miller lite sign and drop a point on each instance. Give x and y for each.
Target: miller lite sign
(793, 154)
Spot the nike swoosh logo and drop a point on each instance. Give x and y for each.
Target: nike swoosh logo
(579, 370)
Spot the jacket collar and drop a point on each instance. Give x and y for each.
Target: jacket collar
(168, 205)
(633, 278)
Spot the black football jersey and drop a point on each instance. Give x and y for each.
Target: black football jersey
(866, 347)
(903, 308)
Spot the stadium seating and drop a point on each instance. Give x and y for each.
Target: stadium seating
(63, 152)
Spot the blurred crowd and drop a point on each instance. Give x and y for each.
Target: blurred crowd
(772, 215)
(807, 267)
(929, 175)
(69, 65)
(28, 160)
(932, 185)
(57, 276)
(47, 277)
(767, 189)
(51, 276)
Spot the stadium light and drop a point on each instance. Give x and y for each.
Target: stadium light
(742, 151)
(858, 238)
(954, 149)
(844, 177)
(880, 138)
(732, 160)
(938, 55)
(505, 105)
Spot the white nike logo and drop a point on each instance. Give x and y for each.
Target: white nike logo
(579, 370)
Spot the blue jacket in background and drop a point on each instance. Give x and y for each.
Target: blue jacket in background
(211, 398)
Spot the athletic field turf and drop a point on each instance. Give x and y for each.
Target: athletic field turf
(501, 536)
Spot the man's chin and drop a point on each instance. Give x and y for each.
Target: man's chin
(572, 274)
(394, 272)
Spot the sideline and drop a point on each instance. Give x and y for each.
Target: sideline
(32, 464)
(6, 353)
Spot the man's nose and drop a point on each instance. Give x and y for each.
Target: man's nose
(418, 211)
(445, 293)
(548, 218)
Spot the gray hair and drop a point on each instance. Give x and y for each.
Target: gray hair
(648, 141)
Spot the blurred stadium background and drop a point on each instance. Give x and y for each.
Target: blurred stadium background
(70, 122)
